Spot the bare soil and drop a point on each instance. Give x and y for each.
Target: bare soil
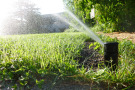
(90, 58)
(121, 35)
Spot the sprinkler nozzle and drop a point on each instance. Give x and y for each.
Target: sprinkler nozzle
(111, 54)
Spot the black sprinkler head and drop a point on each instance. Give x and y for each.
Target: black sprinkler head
(111, 54)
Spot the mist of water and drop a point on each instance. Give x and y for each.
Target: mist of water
(90, 33)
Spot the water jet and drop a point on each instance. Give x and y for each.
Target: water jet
(84, 28)
(111, 54)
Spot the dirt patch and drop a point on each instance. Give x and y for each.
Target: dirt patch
(121, 35)
(90, 57)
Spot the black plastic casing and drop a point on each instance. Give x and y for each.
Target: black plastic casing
(111, 54)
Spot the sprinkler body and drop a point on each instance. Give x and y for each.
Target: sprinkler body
(111, 54)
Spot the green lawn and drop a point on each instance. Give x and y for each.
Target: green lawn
(31, 59)
(26, 58)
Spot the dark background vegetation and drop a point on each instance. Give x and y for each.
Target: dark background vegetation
(110, 15)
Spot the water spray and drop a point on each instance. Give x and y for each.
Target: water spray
(111, 54)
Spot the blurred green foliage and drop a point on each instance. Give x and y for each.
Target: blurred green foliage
(111, 15)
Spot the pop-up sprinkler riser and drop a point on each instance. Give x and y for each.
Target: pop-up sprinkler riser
(111, 54)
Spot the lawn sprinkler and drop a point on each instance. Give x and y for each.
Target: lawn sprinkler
(111, 54)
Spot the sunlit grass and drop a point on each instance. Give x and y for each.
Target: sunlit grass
(30, 59)
(24, 56)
